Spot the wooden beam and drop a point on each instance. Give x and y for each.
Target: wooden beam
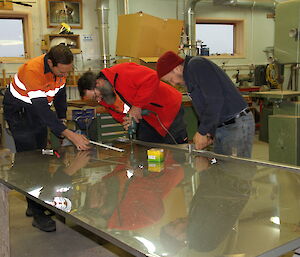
(4, 5)
(4, 222)
(4, 77)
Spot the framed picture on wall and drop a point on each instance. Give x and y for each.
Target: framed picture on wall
(69, 12)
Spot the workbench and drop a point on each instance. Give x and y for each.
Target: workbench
(269, 100)
(190, 118)
(276, 94)
(217, 205)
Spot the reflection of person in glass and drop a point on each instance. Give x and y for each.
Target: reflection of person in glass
(52, 181)
(214, 210)
(59, 189)
(131, 197)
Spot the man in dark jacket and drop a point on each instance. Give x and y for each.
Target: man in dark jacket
(128, 88)
(225, 119)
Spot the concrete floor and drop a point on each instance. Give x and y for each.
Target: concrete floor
(69, 240)
(260, 150)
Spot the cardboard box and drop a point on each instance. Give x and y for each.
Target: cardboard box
(155, 155)
(156, 166)
(149, 62)
(143, 35)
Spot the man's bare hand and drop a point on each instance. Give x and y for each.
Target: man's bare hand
(201, 163)
(80, 141)
(201, 141)
(127, 122)
(81, 160)
(135, 113)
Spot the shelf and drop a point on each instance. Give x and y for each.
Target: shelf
(73, 41)
(6, 6)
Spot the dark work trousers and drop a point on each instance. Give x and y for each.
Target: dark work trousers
(147, 133)
(28, 134)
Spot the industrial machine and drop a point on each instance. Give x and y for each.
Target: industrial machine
(286, 44)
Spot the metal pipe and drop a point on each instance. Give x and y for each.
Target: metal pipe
(190, 19)
(190, 26)
(122, 7)
(247, 4)
(176, 9)
(103, 11)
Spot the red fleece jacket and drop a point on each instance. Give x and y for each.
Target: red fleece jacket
(140, 87)
(141, 202)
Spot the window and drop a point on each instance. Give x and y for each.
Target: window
(11, 38)
(222, 38)
(218, 38)
(15, 36)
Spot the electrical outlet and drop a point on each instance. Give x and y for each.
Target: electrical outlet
(87, 37)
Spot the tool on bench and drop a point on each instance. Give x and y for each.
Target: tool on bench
(132, 128)
(107, 146)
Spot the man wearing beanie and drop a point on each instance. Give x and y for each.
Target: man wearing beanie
(126, 89)
(225, 119)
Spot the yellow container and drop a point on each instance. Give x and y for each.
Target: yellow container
(155, 155)
(156, 166)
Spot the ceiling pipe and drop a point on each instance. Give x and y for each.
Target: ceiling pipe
(190, 26)
(122, 7)
(247, 4)
(190, 19)
(102, 12)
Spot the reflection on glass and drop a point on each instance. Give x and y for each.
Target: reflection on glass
(188, 205)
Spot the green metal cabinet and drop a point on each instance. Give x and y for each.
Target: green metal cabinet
(104, 127)
(191, 120)
(267, 110)
(287, 108)
(284, 139)
(286, 43)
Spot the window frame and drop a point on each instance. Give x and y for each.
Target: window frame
(238, 35)
(27, 34)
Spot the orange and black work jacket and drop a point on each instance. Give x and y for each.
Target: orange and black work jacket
(35, 88)
(137, 85)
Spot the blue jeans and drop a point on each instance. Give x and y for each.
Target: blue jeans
(236, 139)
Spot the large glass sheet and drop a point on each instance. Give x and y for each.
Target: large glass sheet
(185, 205)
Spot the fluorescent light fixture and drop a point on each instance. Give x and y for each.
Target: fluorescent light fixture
(275, 220)
(129, 173)
(10, 42)
(36, 192)
(149, 245)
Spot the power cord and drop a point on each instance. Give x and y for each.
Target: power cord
(146, 112)
(162, 125)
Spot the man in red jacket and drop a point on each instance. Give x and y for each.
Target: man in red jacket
(126, 89)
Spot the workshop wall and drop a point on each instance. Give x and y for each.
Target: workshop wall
(259, 30)
(160, 8)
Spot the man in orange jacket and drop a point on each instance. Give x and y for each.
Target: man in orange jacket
(39, 83)
(126, 89)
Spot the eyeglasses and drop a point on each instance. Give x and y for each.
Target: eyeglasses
(95, 95)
